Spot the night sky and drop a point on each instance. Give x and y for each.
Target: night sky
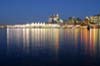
(27, 11)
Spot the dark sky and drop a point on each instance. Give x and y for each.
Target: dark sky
(24, 11)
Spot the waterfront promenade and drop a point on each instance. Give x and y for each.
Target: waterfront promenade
(43, 25)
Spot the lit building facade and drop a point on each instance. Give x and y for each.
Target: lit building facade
(95, 19)
(55, 19)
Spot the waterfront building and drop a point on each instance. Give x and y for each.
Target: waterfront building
(73, 20)
(55, 19)
(95, 19)
(86, 20)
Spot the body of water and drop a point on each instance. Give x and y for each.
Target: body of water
(49, 47)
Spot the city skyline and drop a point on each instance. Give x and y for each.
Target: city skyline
(22, 11)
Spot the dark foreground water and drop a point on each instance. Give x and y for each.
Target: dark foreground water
(49, 47)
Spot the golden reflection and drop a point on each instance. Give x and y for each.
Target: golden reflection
(69, 36)
(43, 37)
(37, 38)
(8, 40)
(56, 35)
(98, 41)
(55, 39)
(14, 37)
(26, 39)
(89, 40)
(86, 39)
(93, 39)
(8, 37)
(81, 36)
(18, 37)
(76, 35)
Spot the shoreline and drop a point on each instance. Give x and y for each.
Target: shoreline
(65, 26)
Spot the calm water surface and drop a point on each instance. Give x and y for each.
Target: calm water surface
(49, 47)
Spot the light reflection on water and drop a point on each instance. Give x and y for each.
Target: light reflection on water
(28, 40)
(59, 44)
